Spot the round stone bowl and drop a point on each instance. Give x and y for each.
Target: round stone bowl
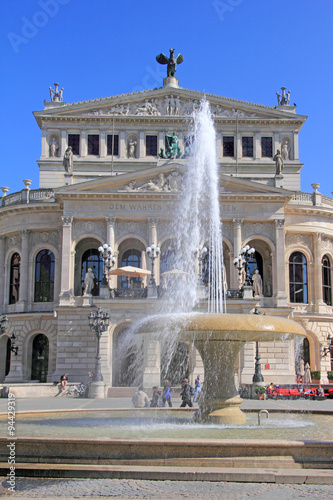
(219, 338)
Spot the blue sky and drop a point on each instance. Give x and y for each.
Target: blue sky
(244, 49)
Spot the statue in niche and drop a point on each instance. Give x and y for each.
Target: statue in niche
(54, 146)
(68, 159)
(132, 149)
(172, 150)
(89, 282)
(278, 162)
(257, 283)
(285, 151)
(171, 62)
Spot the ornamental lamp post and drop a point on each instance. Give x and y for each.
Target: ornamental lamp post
(242, 264)
(105, 253)
(328, 349)
(153, 252)
(98, 322)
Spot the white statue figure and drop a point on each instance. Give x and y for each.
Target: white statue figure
(257, 283)
(68, 159)
(278, 162)
(285, 151)
(89, 282)
(54, 146)
(132, 149)
(225, 282)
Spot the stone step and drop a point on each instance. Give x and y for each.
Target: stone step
(160, 473)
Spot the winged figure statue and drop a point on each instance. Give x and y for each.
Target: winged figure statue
(172, 61)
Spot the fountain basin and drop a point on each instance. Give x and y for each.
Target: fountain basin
(219, 339)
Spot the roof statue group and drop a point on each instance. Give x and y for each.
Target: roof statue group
(172, 149)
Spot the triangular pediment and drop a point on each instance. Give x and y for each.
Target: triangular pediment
(165, 179)
(165, 103)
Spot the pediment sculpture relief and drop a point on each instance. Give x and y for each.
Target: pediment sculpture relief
(172, 182)
(168, 106)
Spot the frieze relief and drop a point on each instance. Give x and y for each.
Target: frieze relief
(168, 106)
(89, 227)
(132, 227)
(15, 241)
(45, 237)
(327, 243)
(258, 228)
(171, 182)
(304, 240)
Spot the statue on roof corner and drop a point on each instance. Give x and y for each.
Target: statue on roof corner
(56, 94)
(172, 61)
(284, 99)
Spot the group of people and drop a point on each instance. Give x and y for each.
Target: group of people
(162, 398)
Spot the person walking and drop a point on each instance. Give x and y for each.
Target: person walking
(197, 388)
(166, 395)
(186, 394)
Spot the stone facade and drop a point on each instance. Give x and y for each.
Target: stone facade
(121, 192)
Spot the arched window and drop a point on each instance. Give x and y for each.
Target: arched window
(14, 285)
(40, 358)
(298, 278)
(132, 258)
(91, 259)
(327, 280)
(44, 276)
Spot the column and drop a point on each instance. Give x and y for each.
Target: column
(44, 152)
(257, 146)
(66, 258)
(142, 149)
(317, 273)
(219, 146)
(122, 144)
(63, 145)
(161, 143)
(83, 143)
(2, 271)
(103, 144)
(296, 151)
(238, 145)
(110, 240)
(279, 269)
(24, 266)
(237, 246)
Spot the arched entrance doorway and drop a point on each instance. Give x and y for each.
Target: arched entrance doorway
(40, 358)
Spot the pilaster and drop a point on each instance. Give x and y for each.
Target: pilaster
(141, 144)
(24, 274)
(103, 144)
(2, 270)
(296, 149)
(317, 274)
(257, 146)
(83, 143)
(122, 144)
(279, 273)
(66, 260)
(237, 246)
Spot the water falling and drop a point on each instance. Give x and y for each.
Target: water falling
(198, 222)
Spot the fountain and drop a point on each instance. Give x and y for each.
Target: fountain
(217, 335)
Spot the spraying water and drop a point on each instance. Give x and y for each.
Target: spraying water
(198, 223)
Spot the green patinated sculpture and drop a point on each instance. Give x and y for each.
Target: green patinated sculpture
(172, 148)
(172, 61)
(161, 154)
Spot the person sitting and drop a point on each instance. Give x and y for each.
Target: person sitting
(270, 388)
(154, 402)
(320, 391)
(140, 398)
(63, 381)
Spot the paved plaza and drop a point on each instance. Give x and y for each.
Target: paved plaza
(49, 489)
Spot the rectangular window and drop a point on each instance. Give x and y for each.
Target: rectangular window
(247, 146)
(74, 143)
(228, 146)
(151, 145)
(113, 144)
(93, 144)
(266, 147)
